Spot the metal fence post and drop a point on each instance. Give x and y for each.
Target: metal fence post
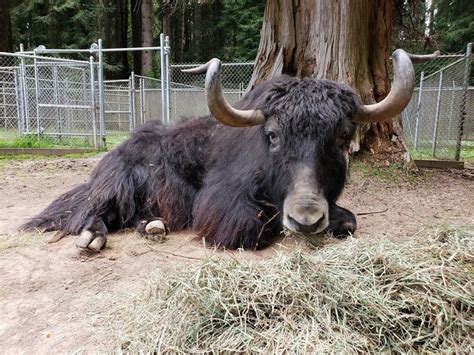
(93, 103)
(418, 108)
(17, 99)
(101, 95)
(163, 74)
(142, 101)
(438, 104)
(132, 101)
(37, 89)
(167, 77)
(467, 68)
(25, 100)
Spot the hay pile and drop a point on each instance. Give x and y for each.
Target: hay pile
(356, 296)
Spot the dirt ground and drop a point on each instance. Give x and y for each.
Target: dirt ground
(50, 294)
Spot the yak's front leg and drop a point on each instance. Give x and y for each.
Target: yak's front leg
(93, 235)
(342, 222)
(153, 228)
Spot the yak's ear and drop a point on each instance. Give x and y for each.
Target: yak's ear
(227, 214)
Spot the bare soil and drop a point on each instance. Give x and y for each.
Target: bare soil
(50, 294)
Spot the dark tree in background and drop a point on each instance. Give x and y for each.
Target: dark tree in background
(346, 41)
(6, 43)
(147, 35)
(136, 27)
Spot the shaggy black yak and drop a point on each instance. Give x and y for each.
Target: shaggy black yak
(278, 159)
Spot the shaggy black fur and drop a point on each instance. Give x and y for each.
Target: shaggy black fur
(227, 183)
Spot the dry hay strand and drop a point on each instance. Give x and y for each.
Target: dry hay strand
(357, 296)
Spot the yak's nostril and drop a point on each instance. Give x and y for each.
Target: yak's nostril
(306, 228)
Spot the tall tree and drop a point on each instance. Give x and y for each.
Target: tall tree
(147, 35)
(6, 44)
(136, 20)
(121, 36)
(347, 41)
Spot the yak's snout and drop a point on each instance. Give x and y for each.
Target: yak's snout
(306, 216)
(305, 209)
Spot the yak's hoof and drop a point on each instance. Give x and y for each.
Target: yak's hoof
(87, 240)
(343, 230)
(154, 230)
(97, 244)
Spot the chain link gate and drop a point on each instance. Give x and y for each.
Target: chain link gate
(64, 99)
(69, 101)
(50, 97)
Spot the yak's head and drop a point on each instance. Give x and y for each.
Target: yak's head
(307, 125)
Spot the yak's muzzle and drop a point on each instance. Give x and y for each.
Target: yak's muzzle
(305, 209)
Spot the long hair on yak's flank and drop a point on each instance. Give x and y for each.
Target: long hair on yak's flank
(141, 178)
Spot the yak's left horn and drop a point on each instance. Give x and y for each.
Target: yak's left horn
(401, 91)
(217, 103)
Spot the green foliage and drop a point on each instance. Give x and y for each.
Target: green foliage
(229, 29)
(454, 24)
(55, 23)
(242, 32)
(33, 141)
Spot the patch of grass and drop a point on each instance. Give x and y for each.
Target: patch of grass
(115, 138)
(466, 154)
(361, 168)
(33, 141)
(357, 297)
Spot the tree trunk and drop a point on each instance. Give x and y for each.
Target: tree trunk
(182, 30)
(121, 32)
(136, 17)
(6, 43)
(347, 41)
(166, 12)
(147, 35)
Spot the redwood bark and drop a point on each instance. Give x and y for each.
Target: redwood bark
(346, 40)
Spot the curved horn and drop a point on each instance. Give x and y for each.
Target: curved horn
(401, 91)
(217, 103)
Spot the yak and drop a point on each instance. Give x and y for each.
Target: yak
(238, 176)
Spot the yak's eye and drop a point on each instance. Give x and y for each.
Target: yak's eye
(342, 140)
(274, 140)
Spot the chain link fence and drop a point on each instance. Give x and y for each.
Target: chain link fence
(438, 122)
(187, 96)
(61, 99)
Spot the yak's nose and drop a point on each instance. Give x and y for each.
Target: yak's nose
(307, 219)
